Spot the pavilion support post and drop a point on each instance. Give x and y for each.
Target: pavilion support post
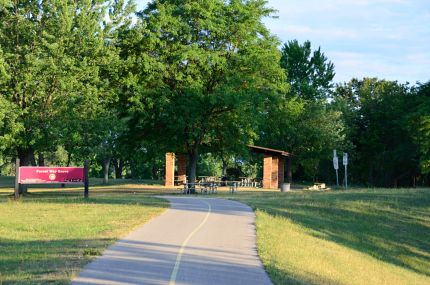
(281, 171)
(273, 166)
(267, 171)
(275, 172)
(170, 169)
(182, 168)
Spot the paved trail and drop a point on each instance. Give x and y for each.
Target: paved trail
(197, 241)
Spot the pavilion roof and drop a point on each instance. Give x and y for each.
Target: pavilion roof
(265, 150)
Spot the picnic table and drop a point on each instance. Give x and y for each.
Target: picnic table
(209, 187)
(204, 187)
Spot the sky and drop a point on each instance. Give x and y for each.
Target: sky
(388, 39)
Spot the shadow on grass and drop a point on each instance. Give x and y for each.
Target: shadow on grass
(390, 225)
(140, 262)
(280, 276)
(108, 198)
(46, 261)
(106, 194)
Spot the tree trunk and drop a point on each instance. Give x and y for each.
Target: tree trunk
(69, 158)
(155, 170)
(224, 167)
(133, 171)
(106, 163)
(40, 160)
(119, 166)
(192, 168)
(26, 157)
(289, 169)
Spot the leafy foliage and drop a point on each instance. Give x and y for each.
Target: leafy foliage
(208, 66)
(420, 125)
(376, 113)
(302, 122)
(89, 80)
(310, 74)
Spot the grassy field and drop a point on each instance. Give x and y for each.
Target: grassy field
(379, 236)
(359, 236)
(50, 234)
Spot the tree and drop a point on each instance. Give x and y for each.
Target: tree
(302, 122)
(310, 74)
(61, 59)
(309, 131)
(202, 63)
(376, 113)
(419, 125)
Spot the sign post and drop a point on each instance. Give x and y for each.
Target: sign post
(345, 163)
(16, 193)
(86, 182)
(336, 166)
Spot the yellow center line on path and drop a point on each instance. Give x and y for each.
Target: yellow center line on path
(184, 244)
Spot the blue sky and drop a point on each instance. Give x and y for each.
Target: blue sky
(388, 39)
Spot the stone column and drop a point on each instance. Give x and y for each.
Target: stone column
(182, 168)
(281, 167)
(170, 169)
(275, 172)
(267, 171)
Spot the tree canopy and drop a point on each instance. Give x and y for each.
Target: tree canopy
(309, 72)
(213, 64)
(98, 80)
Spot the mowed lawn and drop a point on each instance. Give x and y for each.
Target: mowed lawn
(379, 236)
(360, 236)
(49, 235)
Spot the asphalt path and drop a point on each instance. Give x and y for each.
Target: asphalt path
(196, 241)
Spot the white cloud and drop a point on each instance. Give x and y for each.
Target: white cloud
(333, 33)
(418, 58)
(359, 65)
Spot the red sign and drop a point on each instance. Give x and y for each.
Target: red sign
(42, 175)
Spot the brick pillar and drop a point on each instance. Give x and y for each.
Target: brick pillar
(170, 169)
(267, 171)
(275, 172)
(281, 167)
(182, 168)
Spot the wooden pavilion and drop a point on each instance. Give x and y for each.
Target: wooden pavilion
(273, 167)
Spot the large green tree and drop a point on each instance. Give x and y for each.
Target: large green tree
(205, 66)
(61, 60)
(302, 123)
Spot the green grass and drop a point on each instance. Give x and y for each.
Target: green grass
(50, 234)
(359, 236)
(379, 236)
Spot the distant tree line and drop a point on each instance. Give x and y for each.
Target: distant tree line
(98, 80)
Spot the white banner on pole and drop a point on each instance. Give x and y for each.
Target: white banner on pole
(336, 166)
(335, 162)
(345, 158)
